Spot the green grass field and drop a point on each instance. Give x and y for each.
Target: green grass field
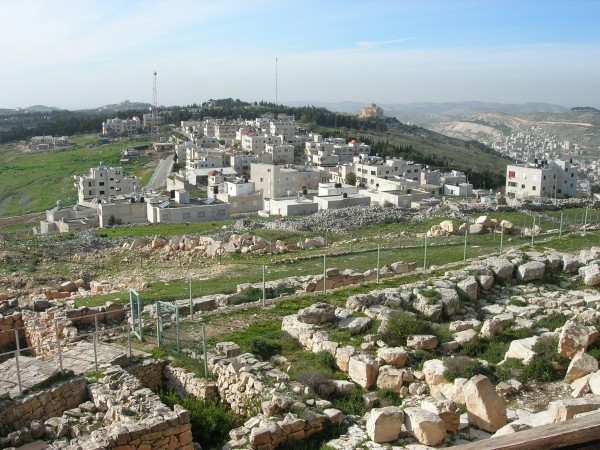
(32, 182)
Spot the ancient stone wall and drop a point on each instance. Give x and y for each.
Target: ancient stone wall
(149, 372)
(15, 414)
(184, 383)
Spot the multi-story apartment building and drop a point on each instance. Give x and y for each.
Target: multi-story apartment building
(120, 127)
(102, 182)
(241, 162)
(281, 181)
(256, 143)
(282, 153)
(242, 197)
(283, 127)
(152, 122)
(368, 168)
(554, 178)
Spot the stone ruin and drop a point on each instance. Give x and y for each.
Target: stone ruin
(117, 408)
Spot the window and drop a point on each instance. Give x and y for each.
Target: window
(101, 183)
(90, 184)
(220, 212)
(164, 216)
(186, 215)
(89, 192)
(101, 192)
(572, 175)
(111, 179)
(522, 186)
(533, 188)
(201, 214)
(512, 184)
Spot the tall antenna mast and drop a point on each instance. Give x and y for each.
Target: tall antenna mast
(276, 103)
(154, 124)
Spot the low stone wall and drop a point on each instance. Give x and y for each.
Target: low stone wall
(184, 383)
(149, 372)
(15, 414)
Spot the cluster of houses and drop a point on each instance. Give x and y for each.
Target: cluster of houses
(264, 166)
(43, 143)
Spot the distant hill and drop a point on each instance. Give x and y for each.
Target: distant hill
(117, 107)
(393, 109)
(41, 108)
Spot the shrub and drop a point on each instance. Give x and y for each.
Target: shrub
(211, 421)
(264, 348)
(552, 321)
(350, 403)
(318, 381)
(464, 367)
(389, 397)
(511, 368)
(402, 325)
(492, 350)
(516, 302)
(547, 365)
(433, 296)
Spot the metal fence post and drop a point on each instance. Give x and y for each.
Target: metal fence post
(465, 248)
(425, 254)
(129, 340)
(158, 324)
(324, 273)
(264, 287)
(191, 304)
(501, 238)
(58, 349)
(533, 231)
(378, 258)
(17, 354)
(204, 349)
(586, 218)
(177, 327)
(96, 341)
(561, 225)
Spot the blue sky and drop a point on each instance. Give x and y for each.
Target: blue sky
(87, 53)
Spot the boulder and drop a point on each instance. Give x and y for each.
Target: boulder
(446, 410)
(570, 264)
(509, 227)
(486, 281)
(390, 378)
(363, 369)
(484, 221)
(476, 229)
(448, 227)
(501, 267)
(573, 338)
(395, 356)
(384, 424)
(590, 274)
(463, 337)
(422, 341)
(158, 242)
(468, 288)
(581, 364)
(427, 427)
(317, 314)
(356, 325)
(450, 301)
(533, 270)
(491, 327)
(485, 408)
(522, 349)
(561, 410)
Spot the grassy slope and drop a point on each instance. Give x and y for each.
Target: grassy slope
(457, 152)
(34, 182)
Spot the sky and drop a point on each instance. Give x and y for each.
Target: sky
(85, 53)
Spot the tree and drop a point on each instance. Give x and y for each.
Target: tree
(351, 178)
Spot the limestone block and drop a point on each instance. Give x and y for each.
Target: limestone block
(317, 313)
(384, 424)
(590, 274)
(427, 427)
(561, 410)
(446, 410)
(390, 378)
(491, 327)
(485, 408)
(484, 221)
(355, 324)
(396, 356)
(464, 337)
(573, 338)
(581, 364)
(468, 288)
(422, 341)
(533, 270)
(363, 370)
(522, 349)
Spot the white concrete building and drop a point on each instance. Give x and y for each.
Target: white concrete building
(103, 182)
(369, 168)
(242, 197)
(256, 143)
(291, 206)
(281, 153)
(281, 181)
(554, 178)
(121, 127)
(183, 209)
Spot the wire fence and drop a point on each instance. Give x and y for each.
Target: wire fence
(51, 356)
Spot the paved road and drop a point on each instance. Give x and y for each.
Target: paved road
(159, 177)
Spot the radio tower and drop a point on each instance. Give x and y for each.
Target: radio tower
(276, 81)
(154, 124)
